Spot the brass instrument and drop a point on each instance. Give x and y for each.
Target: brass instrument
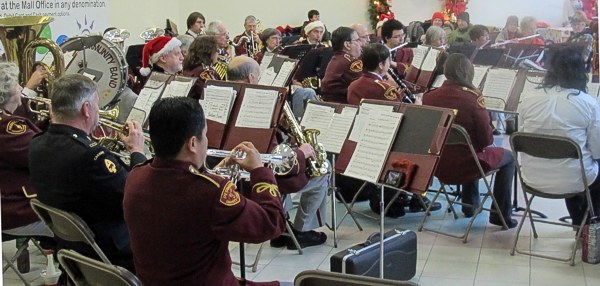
(313, 82)
(20, 37)
(151, 33)
(221, 67)
(39, 106)
(319, 165)
(111, 141)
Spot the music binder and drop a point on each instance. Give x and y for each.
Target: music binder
(423, 66)
(297, 51)
(227, 136)
(314, 63)
(420, 138)
(498, 88)
(333, 120)
(155, 88)
(277, 71)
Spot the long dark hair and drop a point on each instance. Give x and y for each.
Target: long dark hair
(200, 52)
(566, 69)
(459, 69)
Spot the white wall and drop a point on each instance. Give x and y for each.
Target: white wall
(136, 15)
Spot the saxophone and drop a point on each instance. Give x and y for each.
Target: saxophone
(318, 166)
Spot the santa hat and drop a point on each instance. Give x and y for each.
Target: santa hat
(312, 25)
(380, 23)
(154, 49)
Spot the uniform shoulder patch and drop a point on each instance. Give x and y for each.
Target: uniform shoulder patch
(481, 101)
(195, 171)
(356, 66)
(16, 127)
(271, 188)
(229, 195)
(206, 75)
(391, 93)
(111, 167)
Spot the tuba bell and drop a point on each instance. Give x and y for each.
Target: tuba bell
(20, 37)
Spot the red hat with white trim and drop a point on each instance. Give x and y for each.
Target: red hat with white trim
(155, 48)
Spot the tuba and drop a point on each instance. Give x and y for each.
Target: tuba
(318, 166)
(20, 37)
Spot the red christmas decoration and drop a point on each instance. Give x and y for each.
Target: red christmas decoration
(455, 7)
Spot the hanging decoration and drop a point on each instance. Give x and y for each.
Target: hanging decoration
(380, 10)
(452, 8)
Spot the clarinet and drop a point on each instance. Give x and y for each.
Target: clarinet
(409, 97)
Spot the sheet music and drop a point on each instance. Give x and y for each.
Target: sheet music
(266, 61)
(137, 115)
(418, 56)
(373, 146)
(267, 77)
(178, 89)
(257, 108)
(439, 80)
(333, 139)
(593, 88)
(317, 116)
(366, 108)
(284, 74)
(363, 116)
(498, 85)
(430, 61)
(480, 72)
(217, 103)
(146, 98)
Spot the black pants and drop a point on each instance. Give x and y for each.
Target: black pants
(578, 204)
(502, 188)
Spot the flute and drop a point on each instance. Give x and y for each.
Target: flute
(516, 40)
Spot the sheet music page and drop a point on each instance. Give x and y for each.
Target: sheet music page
(480, 72)
(266, 61)
(373, 146)
(257, 108)
(336, 134)
(317, 116)
(530, 87)
(284, 74)
(137, 115)
(430, 61)
(498, 84)
(178, 89)
(367, 108)
(217, 103)
(146, 98)
(363, 114)
(267, 77)
(439, 80)
(418, 56)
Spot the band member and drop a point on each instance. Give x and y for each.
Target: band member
(344, 67)
(247, 42)
(16, 133)
(529, 28)
(363, 34)
(195, 24)
(162, 54)
(392, 33)
(271, 42)
(226, 51)
(311, 213)
(200, 63)
(314, 33)
(510, 30)
(186, 40)
(434, 37)
(169, 198)
(86, 179)
(561, 107)
(456, 165)
(313, 16)
(372, 85)
(461, 33)
(480, 36)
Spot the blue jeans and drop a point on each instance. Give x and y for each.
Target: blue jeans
(299, 98)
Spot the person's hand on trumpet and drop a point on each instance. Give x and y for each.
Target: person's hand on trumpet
(252, 159)
(134, 137)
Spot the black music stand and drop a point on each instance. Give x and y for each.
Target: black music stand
(314, 63)
(487, 57)
(297, 52)
(516, 53)
(462, 48)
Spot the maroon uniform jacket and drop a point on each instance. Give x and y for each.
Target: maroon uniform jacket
(342, 70)
(15, 135)
(203, 74)
(404, 58)
(370, 86)
(456, 165)
(241, 49)
(181, 221)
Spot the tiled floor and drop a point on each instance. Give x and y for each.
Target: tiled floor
(483, 260)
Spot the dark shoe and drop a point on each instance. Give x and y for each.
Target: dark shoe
(280, 241)
(512, 223)
(496, 132)
(416, 206)
(467, 214)
(307, 238)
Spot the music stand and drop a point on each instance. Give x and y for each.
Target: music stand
(487, 57)
(462, 48)
(312, 63)
(297, 52)
(133, 57)
(515, 53)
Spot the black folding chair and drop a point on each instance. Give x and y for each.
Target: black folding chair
(87, 271)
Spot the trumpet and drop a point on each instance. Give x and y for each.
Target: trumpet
(106, 121)
(39, 106)
(281, 161)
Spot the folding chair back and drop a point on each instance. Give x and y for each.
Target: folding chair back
(547, 147)
(87, 271)
(67, 226)
(323, 278)
(459, 136)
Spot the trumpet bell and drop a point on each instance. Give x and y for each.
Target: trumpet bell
(111, 114)
(289, 159)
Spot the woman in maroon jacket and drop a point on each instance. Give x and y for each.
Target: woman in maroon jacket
(15, 134)
(456, 165)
